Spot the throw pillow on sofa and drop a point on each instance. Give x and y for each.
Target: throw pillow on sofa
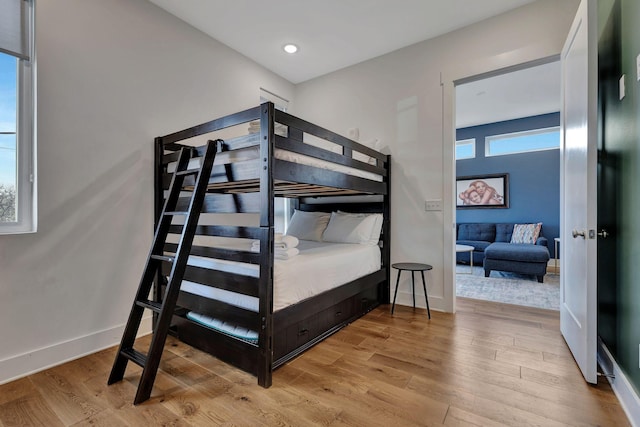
(526, 233)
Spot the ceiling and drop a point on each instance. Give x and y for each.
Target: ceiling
(522, 93)
(333, 34)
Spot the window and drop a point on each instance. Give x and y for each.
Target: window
(17, 118)
(466, 149)
(523, 142)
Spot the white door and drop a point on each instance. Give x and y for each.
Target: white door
(578, 270)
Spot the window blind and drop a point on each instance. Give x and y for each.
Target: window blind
(14, 22)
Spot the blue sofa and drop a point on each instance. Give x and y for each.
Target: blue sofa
(492, 247)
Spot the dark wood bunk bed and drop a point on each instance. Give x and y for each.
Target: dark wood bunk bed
(250, 186)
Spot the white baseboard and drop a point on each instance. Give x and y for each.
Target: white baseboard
(406, 298)
(21, 365)
(624, 390)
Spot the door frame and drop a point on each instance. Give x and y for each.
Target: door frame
(503, 63)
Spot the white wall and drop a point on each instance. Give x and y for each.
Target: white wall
(399, 99)
(112, 75)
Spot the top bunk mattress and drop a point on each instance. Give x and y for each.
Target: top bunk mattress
(317, 268)
(253, 153)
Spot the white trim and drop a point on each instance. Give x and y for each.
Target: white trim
(518, 59)
(623, 389)
(21, 365)
(405, 298)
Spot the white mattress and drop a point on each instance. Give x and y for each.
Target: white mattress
(319, 267)
(252, 153)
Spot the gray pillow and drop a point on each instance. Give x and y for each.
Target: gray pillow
(308, 225)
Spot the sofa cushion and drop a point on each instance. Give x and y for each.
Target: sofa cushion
(475, 232)
(517, 252)
(478, 245)
(504, 232)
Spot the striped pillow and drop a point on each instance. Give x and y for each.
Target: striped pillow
(526, 233)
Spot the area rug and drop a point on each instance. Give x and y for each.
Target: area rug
(508, 288)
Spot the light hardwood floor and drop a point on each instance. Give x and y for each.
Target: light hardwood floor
(488, 365)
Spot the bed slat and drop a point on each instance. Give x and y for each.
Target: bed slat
(320, 153)
(322, 133)
(295, 172)
(211, 126)
(245, 285)
(219, 253)
(223, 231)
(242, 317)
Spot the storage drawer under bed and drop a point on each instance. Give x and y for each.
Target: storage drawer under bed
(317, 326)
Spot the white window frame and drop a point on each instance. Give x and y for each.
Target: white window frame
(463, 142)
(26, 194)
(489, 139)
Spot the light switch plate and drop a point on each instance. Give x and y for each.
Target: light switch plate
(621, 87)
(433, 205)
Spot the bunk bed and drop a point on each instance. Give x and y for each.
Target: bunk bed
(264, 153)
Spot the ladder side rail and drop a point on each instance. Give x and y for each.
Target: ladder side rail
(158, 205)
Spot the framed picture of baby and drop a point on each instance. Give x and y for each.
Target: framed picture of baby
(483, 191)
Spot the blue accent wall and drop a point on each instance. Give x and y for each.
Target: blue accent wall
(534, 177)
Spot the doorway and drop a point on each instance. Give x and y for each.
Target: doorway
(507, 131)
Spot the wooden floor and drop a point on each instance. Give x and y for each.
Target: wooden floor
(488, 365)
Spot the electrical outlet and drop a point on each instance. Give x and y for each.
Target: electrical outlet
(433, 205)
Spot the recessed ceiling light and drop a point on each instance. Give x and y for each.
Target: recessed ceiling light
(290, 48)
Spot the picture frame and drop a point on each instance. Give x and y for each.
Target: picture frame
(483, 191)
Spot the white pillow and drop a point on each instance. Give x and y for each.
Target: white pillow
(345, 227)
(377, 229)
(377, 226)
(308, 225)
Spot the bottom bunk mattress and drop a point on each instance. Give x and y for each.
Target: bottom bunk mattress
(318, 267)
(317, 292)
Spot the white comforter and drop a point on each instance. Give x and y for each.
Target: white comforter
(317, 268)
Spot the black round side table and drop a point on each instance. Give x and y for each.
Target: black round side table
(412, 267)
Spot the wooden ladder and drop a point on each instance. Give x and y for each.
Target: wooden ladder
(164, 309)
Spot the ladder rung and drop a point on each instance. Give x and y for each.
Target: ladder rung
(163, 258)
(151, 305)
(135, 356)
(188, 172)
(176, 213)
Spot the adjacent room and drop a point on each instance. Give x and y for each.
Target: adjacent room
(508, 136)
